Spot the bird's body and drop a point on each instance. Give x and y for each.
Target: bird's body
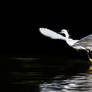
(82, 44)
(70, 41)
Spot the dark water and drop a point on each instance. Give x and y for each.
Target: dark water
(55, 74)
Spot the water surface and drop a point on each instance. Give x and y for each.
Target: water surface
(34, 74)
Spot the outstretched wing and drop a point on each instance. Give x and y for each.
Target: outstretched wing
(51, 34)
(85, 42)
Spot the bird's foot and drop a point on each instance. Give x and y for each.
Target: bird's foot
(90, 59)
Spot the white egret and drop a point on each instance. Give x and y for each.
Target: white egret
(82, 44)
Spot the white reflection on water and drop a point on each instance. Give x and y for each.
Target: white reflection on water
(81, 82)
(25, 59)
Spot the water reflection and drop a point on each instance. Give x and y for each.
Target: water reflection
(51, 74)
(81, 82)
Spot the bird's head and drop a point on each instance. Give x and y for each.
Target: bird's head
(64, 31)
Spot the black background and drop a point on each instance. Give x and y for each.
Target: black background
(20, 24)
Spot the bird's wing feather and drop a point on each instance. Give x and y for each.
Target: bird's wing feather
(85, 42)
(51, 34)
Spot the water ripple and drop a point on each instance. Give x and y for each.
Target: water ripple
(81, 82)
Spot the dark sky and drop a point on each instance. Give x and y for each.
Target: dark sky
(26, 39)
(20, 28)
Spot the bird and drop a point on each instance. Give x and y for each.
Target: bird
(83, 44)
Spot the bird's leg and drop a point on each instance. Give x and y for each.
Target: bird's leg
(88, 53)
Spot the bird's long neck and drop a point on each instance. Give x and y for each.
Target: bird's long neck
(67, 39)
(67, 35)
